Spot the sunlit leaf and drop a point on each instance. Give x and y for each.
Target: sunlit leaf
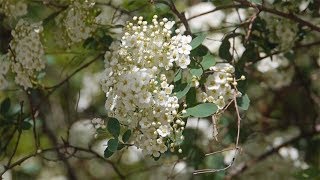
(202, 110)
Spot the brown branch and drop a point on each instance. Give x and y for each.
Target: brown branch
(35, 136)
(181, 16)
(19, 134)
(74, 73)
(290, 16)
(217, 9)
(237, 148)
(59, 148)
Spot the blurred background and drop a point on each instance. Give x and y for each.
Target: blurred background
(279, 132)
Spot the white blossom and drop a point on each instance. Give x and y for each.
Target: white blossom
(219, 85)
(13, 8)
(78, 20)
(138, 91)
(26, 53)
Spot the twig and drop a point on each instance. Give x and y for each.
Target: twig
(59, 148)
(281, 14)
(181, 16)
(33, 120)
(203, 171)
(19, 134)
(217, 9)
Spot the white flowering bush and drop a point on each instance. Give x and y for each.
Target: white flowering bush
(13, 8)
(78, 21)
(26, 53)
(135, 81)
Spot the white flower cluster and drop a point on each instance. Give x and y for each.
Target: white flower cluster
(219, 85)
(4, 67)
(78, 20)
(13, 8)
(26, 53)
(98, 123)
(136, 83)
(282, 31)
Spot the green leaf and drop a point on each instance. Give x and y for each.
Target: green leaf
(126, 136)
(26, 125)
(5, 106)
(197, 41)
(114, 127)
(178, 75)
(182, 90)
(224, 52)
(196, 72)
(113, 145)
(243, 102)
(120, 146)
(201, 110)
(191, 97)
(256, 1)
(199, 52)
(107, 153)
(208, 61)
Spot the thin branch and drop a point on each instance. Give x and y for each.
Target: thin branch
(290, 16)
(217, 9)
(59, 148)
(181, 16)
(19, 134)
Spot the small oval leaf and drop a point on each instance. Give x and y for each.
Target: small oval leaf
(126, 136)
(197, 41)
(114, 127)
(107, 153)
(202, 110)
(243, 102)
(113, 145)
(5, 106)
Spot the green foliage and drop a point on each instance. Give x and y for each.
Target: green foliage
(126, 136)
(197, 41)
(113, 145)
(5, 106)
(224, 50)
(243, 102)
(25, 125)
(196, 72)
(182, 89)
(208, 61)
(202, 110)
(113, 127)
(107, 153)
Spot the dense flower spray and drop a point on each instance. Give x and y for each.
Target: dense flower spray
(26, 52)
(78, 20)
(135, 81)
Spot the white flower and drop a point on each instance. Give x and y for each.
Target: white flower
(183, 62)
(163, 130)
(168, 25)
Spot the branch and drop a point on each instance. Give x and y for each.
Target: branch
(217, 9)
(59, 148)
(74, 73)
(281, 14)
(181, 16)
